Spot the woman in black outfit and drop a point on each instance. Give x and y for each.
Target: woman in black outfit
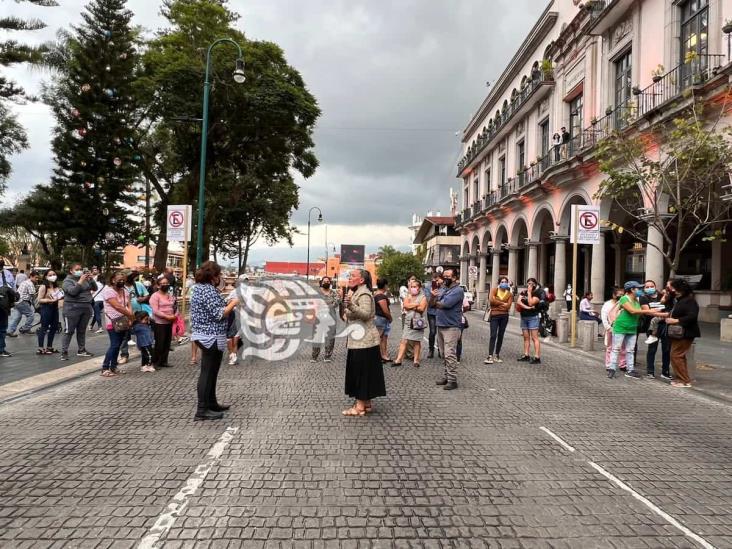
(685, 313)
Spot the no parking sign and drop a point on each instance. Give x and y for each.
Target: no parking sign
(586, 220)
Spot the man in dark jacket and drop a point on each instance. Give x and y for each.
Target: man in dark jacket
(79, 288)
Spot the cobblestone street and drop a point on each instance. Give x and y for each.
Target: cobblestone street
(554, 455)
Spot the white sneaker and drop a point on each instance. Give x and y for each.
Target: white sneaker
(497, 359)
(651, 339)
(232, 359)
(488, 360)
(147, 368)
(99, 331)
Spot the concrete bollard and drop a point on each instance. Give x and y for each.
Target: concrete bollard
(563, 328)
(587, 330)
(725, 330)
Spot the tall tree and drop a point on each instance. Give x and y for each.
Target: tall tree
(671, 177)
(94, 102)
(258, 130)
(13, 138)
(396, 267)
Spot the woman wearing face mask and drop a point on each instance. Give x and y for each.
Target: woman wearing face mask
(332, 301)
(414, 307)
(500, 300)
(98, 305)
(116, 305)
(162, 304)
(625, 329)
(685, 313)
(49, 295)
(209, 312)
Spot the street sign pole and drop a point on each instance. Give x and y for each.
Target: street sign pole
(184, 289)
(575, 245)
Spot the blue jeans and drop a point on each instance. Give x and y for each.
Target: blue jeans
(115, 342)
(49, 324)
(3, 328)
(21, 309)
(587, 316)
(498, 329)
(627, 342)
(665, 344)
(97, 309)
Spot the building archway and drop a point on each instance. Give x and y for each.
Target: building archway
(518, 260)
(543, 229)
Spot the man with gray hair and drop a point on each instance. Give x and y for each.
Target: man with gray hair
(448, 301)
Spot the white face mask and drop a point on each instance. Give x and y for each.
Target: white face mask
(52, 278)
(147, 284)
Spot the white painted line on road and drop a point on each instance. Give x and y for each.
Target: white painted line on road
(558, 439)
(180, 500)
(612, 478)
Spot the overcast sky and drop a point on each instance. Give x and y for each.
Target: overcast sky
(395, 79)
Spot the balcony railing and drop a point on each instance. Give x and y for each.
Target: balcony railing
(538, 79)
(670, 86)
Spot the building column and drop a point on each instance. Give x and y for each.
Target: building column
(654, 257)
(483, 266)
(532, 269)
(543, 261)
(619, 261)
(560, 273)
(716, 266)
(586, 259)
(513, 264)
(597, 280)
(464, 272)
(471, 282)
(496, 266)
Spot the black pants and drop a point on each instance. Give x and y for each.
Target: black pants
(665, 357)
(498, 329)
(146, 354)
(210, 364)
(432, 319)
(163, 336)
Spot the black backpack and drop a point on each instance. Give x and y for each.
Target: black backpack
(8, 296)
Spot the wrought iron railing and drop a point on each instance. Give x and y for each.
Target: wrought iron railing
(538, 79)
(670, 86)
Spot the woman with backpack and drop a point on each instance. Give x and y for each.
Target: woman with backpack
(49, 296)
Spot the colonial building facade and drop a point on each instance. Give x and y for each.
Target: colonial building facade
(591, 68)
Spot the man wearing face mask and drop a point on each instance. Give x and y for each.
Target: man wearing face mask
(652, 299)
(331, 299)
(448, 301)
(79, 288)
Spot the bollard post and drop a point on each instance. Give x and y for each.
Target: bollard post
(588, 334)
(563, 327)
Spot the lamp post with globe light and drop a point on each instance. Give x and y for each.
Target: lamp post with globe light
(320, 220)
(239, 79)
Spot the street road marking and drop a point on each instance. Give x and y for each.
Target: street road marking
(612, 478)
(558, 439)
(180, 500)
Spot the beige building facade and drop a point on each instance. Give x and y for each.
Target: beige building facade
(592, 68)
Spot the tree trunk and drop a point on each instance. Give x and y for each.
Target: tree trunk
(161, 248)
(239, 258)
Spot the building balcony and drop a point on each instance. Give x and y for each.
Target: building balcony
(605, 14)
(642, 104)
(537, 88)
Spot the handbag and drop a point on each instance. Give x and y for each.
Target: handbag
(122, 323)
(675, 331)
(417, 322)
(487, 313)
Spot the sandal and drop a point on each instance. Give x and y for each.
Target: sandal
(354, 412)
(395, 363)
(416, 364)
(108, 373)
(51, 351)
(41, 352)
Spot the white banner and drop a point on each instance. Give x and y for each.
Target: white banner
(179, 223)
(586, 219)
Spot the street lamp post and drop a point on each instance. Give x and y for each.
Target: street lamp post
(320, 219)
(239, 79)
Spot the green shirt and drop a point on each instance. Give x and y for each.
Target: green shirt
(626, 323)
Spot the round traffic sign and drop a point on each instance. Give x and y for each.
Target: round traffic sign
(588, 220)
(176, 219)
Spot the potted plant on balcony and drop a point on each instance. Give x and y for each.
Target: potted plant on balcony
(657, 73)
(593, 121)
(727, 28)
(547, 69)
(636, 90)
(609, 110)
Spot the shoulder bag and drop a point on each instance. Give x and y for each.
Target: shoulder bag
(121, 323)
(675, 331)
(417, 322)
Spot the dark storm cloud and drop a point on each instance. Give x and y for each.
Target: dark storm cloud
(395, 81)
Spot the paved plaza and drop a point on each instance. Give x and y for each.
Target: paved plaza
(554, 455)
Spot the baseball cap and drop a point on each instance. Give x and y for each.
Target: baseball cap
(631, 284)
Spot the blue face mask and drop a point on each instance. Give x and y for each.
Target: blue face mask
(650, 291)
(638, 293)
(78, 273)
(504, 286)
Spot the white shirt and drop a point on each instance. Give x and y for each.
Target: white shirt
(568, 294)
(22, 277)
(403, 293)
(605, 312)
(98, 293)
(586, 306)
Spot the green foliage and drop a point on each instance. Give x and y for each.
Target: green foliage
(258, 131)
(94, 101)
(675, 174)
(13, 139)
(397, 267)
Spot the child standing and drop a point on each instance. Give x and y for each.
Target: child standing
(144, 338)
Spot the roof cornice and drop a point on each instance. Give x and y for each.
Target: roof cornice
(531, 42)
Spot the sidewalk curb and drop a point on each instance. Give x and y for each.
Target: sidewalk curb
(24, 388)
(513, 328)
